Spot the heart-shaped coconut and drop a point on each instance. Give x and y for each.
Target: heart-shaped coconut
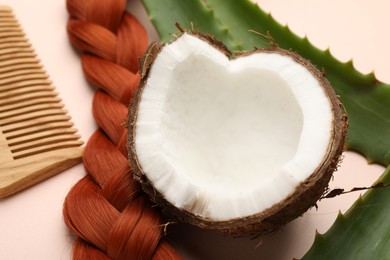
(241, 145)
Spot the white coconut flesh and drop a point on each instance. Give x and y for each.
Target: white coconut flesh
(224, 139)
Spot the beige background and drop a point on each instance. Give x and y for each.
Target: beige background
(31, 225)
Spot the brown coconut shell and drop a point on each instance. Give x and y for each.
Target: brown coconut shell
(305, 195)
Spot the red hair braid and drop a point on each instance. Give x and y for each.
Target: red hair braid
(106, 209)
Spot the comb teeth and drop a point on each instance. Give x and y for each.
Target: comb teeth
(37, 139)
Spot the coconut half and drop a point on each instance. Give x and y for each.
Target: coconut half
(239, 145)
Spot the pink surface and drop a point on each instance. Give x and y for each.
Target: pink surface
(31, 222)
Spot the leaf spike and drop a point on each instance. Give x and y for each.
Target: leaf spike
(210, 11)
(305, 39)
(372, 76)
(318, 237)
(360, 200)
(287, 27)
(340, 216)
(271, 17)
(370, 160)
(254, 3)
(239, 45)
(349, 63)
(356, 204)
(327, 51)
(225, 29)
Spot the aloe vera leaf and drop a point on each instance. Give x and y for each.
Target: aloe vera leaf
(366, 100)
(164, 15)
(363, 232)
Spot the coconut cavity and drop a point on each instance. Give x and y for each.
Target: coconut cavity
(218, 140)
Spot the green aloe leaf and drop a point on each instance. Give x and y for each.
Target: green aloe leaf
(366, 100)
(362, 232)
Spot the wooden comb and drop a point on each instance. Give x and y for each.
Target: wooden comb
(36, 136)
